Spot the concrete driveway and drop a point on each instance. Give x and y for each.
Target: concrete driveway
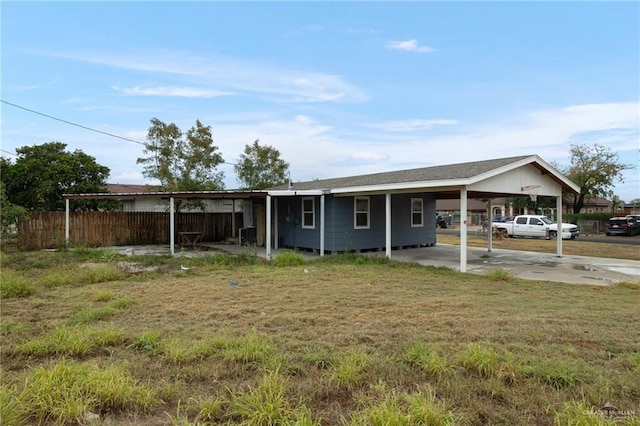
(528, 265)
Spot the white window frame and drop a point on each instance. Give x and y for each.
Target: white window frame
(312, 212)
(356, 212)
(421, 212)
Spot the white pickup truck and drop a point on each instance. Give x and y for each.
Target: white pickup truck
(535, 226)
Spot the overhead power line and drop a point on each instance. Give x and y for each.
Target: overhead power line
(72, 123)
(77, 125)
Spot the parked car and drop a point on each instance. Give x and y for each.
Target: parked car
(442, 221)
(627, 225)
(536, 226)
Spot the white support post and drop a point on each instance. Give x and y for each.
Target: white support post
(463, 230)
(559, 222)
(233, 218)
(172, 226)
(268, 239)
(322, 225)
(66, 222)
(489, 225)
(275, 224)
(387, 227)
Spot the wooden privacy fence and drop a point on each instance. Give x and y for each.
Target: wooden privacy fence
(98, 229)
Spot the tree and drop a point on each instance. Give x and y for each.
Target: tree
(10, 213)
(261, 167)
(41, 174)
(594, 169)
(182, 162)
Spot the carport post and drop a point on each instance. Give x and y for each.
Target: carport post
(463, 229)
(387, 227)
(233, 218)
(172, 215)
(267, 243)
(559, 222)
(66, 222)
(322, 225)
(489, 225)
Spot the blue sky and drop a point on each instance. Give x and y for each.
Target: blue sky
(340, 88)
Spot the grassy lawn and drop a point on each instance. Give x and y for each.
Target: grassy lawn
(569, 247)
(344, 340)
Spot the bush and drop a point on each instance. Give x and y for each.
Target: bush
(288, 258)
(13, 284)
(68, 392)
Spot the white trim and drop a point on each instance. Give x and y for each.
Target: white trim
(290, 193)
(421, 224)
(356, 211)
(313, 213)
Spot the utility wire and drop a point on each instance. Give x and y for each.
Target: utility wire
(71, 123)
(78, 125)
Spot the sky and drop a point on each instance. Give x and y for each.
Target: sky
(339, 88)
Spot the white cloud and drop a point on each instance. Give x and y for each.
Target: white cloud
(368, 157)
(409, 45)
(220, 74)
(412, 125)
(185, 92)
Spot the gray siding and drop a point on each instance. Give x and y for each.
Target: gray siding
(340, 233)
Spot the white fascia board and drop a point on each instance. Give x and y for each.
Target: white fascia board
(293, 193)
(393, 187)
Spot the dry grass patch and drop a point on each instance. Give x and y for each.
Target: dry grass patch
(352, 340)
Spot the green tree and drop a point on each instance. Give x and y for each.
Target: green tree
(41, 174)
(260, 167)
(595, 169)
(182, 162)
(9, 212)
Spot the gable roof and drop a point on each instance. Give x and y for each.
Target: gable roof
(435, 176)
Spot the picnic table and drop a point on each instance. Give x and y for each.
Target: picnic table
(191, 238)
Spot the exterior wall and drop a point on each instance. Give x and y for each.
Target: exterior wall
(340, 232)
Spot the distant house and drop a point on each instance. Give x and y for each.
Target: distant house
(597, 205)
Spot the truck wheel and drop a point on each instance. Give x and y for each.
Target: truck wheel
(553, 235)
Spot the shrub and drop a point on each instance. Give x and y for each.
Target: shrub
(557, 375)
(480, 359)
(264, 405)
(288, 258)
(419, 408)
(72, 341)
(252, 349)
(14, 284)
(148, 342)
(427, 359)
(349, 369)
(68, 391)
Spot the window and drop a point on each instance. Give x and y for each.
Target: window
(417, 212)
(308, 213)
(361, 213)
